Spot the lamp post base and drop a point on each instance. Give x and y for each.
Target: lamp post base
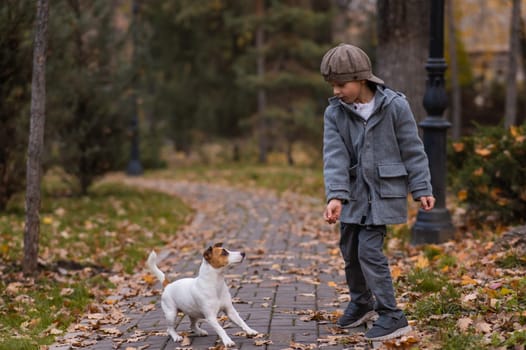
(432, 227)
(134, 168)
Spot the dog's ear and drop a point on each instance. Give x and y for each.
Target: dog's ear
(208, 254)
(220, 244)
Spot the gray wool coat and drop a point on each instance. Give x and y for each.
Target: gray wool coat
(372, 165)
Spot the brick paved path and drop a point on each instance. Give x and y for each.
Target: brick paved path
(286, 289)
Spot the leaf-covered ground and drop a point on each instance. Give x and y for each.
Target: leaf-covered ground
(84, 243)
(469, 293)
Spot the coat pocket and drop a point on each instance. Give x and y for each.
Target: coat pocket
(393, 180)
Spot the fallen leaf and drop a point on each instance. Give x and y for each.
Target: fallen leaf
(464, 323)
(150, 279)
(483, 327)
(396, 272)
(186, 341)
(470, 297)
(466, 280)
(458, 146)
(483, 152)
(262, 342)
(422, 262)
(462, 195)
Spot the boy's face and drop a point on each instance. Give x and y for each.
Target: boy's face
(348, 92)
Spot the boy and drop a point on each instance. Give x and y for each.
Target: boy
(372, 157)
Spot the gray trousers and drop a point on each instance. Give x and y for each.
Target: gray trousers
(366, 267)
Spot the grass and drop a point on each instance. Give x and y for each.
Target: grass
(86, 238)
(445, 301)
(425, 280)
(453, 340)
(512, 261)
(280, 178)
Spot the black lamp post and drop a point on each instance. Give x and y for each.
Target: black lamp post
(134, 165)
(435, 226)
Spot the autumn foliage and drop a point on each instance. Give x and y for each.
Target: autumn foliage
(487, 170)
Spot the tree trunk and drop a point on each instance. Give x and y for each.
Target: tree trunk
(514, 50)
(262, 97)
(403, 41)
(456, 106)
(36, 140)
(290, 157)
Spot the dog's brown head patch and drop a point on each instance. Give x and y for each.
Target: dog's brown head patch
(216, 256)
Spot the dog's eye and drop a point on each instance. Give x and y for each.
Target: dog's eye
(224, 252)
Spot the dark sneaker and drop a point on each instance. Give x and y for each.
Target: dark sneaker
(356, 315)
(388, 327)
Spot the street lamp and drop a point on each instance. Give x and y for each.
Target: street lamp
(134, 165)
(435, 226)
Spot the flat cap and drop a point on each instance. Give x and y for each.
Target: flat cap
(347, 62)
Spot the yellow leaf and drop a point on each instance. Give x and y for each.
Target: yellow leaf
(484, 152)
(48, 220)
(458, 146)
(396, 271)
(422, 262)
(466, 280)
(276, 267)
(150, 279)
(335, 251)
(516, 133)
(332, 284)
(462, 195)
(505, 291)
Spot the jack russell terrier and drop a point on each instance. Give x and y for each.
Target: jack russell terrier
(202, 297)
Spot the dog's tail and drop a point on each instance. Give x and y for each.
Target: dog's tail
(152, 264)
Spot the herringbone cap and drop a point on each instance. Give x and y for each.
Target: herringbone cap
(347, 62)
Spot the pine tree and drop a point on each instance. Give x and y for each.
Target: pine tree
(191, 48)
(16, 28)
(295, 34)
(86, 93)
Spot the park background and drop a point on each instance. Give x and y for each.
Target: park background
(230, 92)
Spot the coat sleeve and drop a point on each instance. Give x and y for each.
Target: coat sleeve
(412, 151)
(336, 160)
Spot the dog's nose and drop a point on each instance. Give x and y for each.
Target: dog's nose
(243, 254)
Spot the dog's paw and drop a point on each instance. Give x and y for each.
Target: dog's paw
(177, 338)
(251, 332)
(228, 342)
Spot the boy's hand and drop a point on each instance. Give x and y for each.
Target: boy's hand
(332, 211)
(427, 202)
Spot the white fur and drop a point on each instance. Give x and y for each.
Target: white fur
(200, 298)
